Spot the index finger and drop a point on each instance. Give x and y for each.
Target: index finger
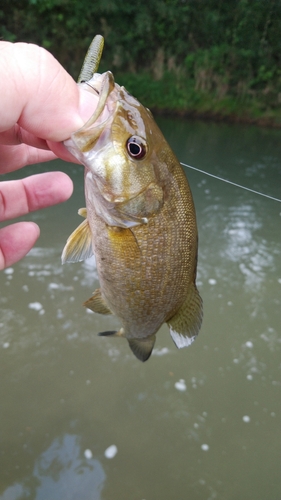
(32, 193)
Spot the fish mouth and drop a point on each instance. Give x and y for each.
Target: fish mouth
(105, 87)
(86, 137)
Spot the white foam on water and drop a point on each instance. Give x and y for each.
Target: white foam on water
(246, 418)
(160, 352)
(180, 385)
(111, 451)
(36, 306)
(205, 447)
(53, 286)
(249, 344)
(212, 281)
(9, 270)
(88, 454)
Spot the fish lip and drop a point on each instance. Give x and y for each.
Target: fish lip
(103, 85)
(83, 140)
(92, 87)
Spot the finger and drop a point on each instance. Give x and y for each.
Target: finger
(17, 135)
(32, 193)
(39, 94)
(60, 151)
(15, 242)
(15, 157)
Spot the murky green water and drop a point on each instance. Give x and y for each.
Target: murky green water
(201, 423)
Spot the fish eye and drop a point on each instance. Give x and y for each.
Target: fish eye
(136, 147)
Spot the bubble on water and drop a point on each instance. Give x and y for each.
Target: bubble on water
(246, 418)
(111, 451)
(36, 306)
(9, 270)
(180, 385)
(88, 454)
(6, 345)
(249, 377)
(249, 344)
(160, 352)
(53, 286)
(212, 281)
(236, 361)
(25, 288)
(205, 447)
(60, 314)
(229, 303)
(71, 336)
(279, 280)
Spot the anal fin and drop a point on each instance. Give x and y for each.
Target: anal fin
(97, 303)
(142, 348)
(186, 323)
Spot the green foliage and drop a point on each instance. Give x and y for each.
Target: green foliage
(178, 54)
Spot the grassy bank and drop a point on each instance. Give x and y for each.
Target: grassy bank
(207, 58)
(177, 96)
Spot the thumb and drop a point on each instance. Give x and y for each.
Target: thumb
(39, 94)
(86, 107)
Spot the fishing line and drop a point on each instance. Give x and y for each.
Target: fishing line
(230, 182)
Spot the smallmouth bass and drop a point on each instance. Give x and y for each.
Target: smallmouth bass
(139, 221)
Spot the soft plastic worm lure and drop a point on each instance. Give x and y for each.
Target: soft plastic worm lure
(92, 59)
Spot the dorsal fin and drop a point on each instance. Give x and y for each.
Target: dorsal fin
(79, 244)
(185, 324)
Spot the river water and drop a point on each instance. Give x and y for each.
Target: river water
(82, 419)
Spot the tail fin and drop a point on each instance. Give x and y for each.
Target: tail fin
(186, 323)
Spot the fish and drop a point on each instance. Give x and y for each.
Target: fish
(139, 221)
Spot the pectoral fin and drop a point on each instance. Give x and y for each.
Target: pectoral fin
(83, 212)
(142, 348)
(79, 244)
(97, 303)
(185, 324)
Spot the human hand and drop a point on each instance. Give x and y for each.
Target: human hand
(41, 106)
